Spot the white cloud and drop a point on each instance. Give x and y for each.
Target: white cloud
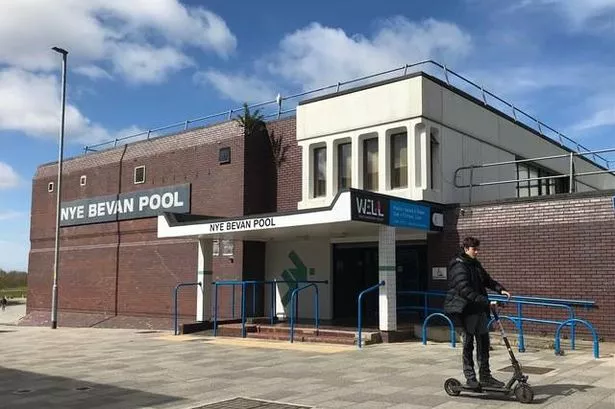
(145, 64)
(30, 103)
(92, 71)
(8, 178)
(604, 117)
(140, 41)
(317, 55)
(99, 31)
(581, 14)
(238, 87)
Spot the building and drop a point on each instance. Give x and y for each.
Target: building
(376, 183)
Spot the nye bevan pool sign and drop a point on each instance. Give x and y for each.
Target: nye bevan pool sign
(133, 205)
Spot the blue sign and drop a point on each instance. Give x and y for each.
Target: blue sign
(404, 214)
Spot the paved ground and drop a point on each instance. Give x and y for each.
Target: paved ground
(12, 313)
(110, 368)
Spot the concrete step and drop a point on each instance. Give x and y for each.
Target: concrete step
(305, 334)
(305, 338)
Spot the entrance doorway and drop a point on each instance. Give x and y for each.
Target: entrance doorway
(355, 268)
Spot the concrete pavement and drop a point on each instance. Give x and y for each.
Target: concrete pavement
(112, 368)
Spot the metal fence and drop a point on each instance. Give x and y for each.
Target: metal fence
(572, 176)
(284, 105)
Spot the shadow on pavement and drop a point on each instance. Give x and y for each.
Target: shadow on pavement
(557, 389)
(542, 393)
(21, 389)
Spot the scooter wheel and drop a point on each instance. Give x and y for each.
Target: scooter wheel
(452, 386)
(524, 393)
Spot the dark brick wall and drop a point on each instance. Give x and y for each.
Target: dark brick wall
(260, 178)
(559, 247)
(289, 175)
(122, 267)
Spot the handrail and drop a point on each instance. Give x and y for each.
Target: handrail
(581, 303)
(401, 71)
(243, 284)
(232, 283)
(571, 175)
(175, 301)
(519, 301)
(360, 298)
(450, 323)
(293, 310)
(588, 325)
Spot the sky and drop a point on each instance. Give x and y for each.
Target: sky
(141, 64)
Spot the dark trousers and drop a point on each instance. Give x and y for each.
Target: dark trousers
(475, 327)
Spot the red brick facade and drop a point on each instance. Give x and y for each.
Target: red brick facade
(559, 247)
(121, 268)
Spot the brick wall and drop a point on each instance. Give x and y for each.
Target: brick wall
(289, 174)
(559, 246)
(260, 180)
(122, 267)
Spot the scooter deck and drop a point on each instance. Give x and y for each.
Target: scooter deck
(482, 389)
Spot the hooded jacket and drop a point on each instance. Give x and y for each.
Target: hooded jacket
(467, 286)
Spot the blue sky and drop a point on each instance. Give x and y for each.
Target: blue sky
(135, 65)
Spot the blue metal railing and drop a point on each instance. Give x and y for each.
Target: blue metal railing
(441, 71)
(254, 283)
(294, 299)
(177, 287)
(450, 323)
(519, 301)
(360, 308)
(588, 325)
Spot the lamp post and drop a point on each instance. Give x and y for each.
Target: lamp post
(56, 262)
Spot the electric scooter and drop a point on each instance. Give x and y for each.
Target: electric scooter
(523, 391)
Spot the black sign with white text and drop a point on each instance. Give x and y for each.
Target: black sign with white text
(133, 205)
(369, 207)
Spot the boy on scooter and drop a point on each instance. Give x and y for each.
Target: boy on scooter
(467, 303)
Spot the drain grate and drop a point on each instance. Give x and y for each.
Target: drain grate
(243, 403)
(83, 388)
(536, 370)
(148, 332)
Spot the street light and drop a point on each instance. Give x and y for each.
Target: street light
(56, 262)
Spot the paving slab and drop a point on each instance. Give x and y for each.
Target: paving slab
(68, 368)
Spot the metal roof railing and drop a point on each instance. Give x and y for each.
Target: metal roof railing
(571, 175)
(274, 108)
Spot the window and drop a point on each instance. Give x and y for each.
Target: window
(434, 149)
(224, 155)
(399, 160)
(139, 176)
(50, 187)
(344, 166)
(370, 164)
(83, 180)
(540, 187)
(320, 171)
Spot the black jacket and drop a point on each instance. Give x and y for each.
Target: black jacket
(467, 286)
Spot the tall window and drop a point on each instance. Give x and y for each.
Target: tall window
(399, 160)
(370, 164)
(320, 172)
(542, 187)
(434, 148)
(344, 166)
